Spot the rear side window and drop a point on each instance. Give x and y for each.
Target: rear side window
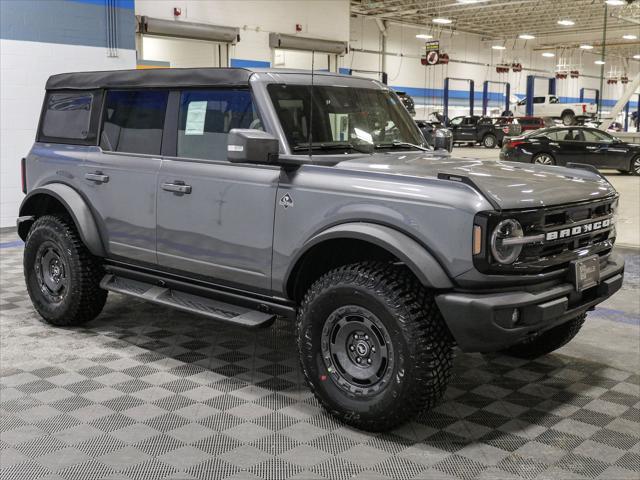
(205, 118)
(134, 120)
(70, 117)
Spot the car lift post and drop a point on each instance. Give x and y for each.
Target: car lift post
(531, 79)
(594, 90)
(485, 95)
(626, 114)
(445, 107)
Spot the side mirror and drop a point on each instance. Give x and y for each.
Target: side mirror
(443, 140)
(251, 146)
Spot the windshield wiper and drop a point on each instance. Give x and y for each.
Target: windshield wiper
(400, 144)
(329, 146)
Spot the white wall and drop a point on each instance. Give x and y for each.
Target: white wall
(24, 69)
(327, 19)
(406, 70)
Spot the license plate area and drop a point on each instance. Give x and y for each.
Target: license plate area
(586, 272)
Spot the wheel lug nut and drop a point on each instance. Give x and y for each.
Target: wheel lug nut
(351, 347)
(369, 361)
(373, 349)
(358, 360)
(356, 336)
(366, 337)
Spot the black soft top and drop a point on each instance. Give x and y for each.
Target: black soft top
(153, 77)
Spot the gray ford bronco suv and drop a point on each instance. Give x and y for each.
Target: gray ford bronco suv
(243, 195)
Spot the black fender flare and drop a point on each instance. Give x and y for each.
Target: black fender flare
(76, 207)
(415, 256)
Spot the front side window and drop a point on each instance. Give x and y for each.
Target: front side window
(597, 136)
(342, 118)
(133, 121)
(538, 99)
(68, 115)
(457, 121)
(207, 116)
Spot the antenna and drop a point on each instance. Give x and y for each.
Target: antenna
(309, 134)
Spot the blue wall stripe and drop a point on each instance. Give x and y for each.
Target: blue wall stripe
(71, 22)
(241, 63)
(129, 4)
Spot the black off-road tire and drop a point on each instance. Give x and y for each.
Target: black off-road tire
(81, 299)
(489, 141)
(548, 341)
(420, 349)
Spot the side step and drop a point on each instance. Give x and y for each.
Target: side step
(187, 302)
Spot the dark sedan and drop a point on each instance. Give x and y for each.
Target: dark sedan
(557, 146)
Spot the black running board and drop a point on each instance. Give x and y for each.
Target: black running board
(188, 302)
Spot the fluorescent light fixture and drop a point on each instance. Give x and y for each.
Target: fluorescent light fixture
(471, 1)
(586, 47)
(599, 62)
(526, 36)
(424, 36)
(566, 22)
(636, 57)
(499, 47)
(615, 3)
(442, 21)
(630, 37)
(548, 54)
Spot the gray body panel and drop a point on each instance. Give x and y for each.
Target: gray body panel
(224, 227)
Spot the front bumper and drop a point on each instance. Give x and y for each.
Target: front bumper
(483, 322)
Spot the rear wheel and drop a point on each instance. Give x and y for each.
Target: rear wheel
(543, 159)
(568, 118)
(373, 345)
(489, 141)
(62, 277)
(548, 341)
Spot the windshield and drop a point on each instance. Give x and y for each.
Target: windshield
(344, 118)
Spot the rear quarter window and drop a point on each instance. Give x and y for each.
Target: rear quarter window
(70, 117)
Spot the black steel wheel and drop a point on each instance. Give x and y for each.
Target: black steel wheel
(357, 350)
(62, 277)
(373, 345)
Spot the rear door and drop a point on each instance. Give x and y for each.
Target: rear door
(571, 145)
(215, 218)
(119, 177)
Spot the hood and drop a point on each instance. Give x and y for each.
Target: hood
(507, 184)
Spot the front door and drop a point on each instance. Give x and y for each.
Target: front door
(215, 218)
(120, 176)
(604, 152)
(572, 145)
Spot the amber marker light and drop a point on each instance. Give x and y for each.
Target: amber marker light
(477, 239)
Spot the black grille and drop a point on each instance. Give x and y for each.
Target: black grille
(548, 255)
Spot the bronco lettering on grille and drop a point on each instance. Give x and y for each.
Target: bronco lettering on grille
(578, 230)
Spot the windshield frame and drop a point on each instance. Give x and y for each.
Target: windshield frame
(399, 112)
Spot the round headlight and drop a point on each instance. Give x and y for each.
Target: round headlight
(502, 250)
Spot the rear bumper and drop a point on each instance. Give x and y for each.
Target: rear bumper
(483, 322)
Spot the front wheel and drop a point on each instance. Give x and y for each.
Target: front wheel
(62, 277)
(543, 159)
(489, 141)
(548, 341)
(373, 345)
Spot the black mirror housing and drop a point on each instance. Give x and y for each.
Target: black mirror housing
(251, 146)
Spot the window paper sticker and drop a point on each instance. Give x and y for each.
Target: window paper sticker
(196, 113)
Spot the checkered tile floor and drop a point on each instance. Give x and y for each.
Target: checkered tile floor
(148, 393)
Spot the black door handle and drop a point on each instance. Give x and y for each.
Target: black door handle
(97, 177)
(177, 188)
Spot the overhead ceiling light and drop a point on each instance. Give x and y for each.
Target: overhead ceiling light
(599, 62)
(526, 36)
(636, 57)
(442, 21)
(615, 3)
(630, 37)
(499, 47)
(566, 22)
(424, 36)
(548, 54)
(471, 1)
(586, 47)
